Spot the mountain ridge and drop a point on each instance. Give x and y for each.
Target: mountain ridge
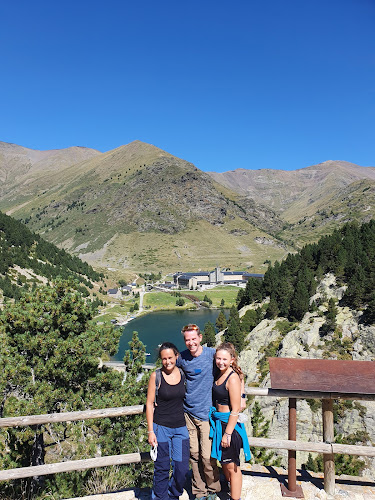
(97, 204)
(111, 203)
(290, 184)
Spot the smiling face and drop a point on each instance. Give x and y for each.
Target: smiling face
(193, 342)
(168, 359)
(223, 359)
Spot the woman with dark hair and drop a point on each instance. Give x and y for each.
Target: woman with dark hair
(166, 425)
(229, 436)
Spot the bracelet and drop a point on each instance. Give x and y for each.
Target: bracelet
(234, 413)
(149, 432)
(227, 434)
(243, 395)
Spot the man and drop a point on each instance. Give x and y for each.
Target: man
(197, 361)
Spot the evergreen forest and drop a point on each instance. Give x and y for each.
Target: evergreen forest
(348, 253)
(21, 247)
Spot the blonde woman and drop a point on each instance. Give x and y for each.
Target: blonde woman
(228, 435)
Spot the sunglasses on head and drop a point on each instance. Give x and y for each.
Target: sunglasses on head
(187, 328)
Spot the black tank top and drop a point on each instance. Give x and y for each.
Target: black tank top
(220, 394)
(169, 410)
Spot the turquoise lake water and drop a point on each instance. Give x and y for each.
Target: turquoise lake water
(164, 326)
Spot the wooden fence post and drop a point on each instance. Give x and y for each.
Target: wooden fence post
(293, 489)
(328, 437)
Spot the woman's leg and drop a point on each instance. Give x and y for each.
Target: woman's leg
(161, 464)
(235, 479)
(180, 454)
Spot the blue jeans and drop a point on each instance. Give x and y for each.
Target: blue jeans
(173, 444)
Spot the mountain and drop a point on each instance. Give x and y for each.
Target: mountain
(18, 165)
(283, 190)
(312, 201)
(140, 207)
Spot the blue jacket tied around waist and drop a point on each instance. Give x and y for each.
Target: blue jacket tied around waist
(216, 433)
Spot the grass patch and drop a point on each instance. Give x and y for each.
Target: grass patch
(229, 294)
(163, 300)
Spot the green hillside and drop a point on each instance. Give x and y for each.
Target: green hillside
(140, 208)
(26, 260)
(355, 202)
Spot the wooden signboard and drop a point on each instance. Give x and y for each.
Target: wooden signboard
(323, 375)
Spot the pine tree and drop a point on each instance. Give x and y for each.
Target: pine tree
(251, 319)
(136, 356)
(252, 293)
(233, 333)
(300, 302)
(330, 323)
(221, 321)
(209, 334)
(272, 309)
(49, 351)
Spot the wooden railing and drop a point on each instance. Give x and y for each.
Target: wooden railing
(91, 463)
(328, 449)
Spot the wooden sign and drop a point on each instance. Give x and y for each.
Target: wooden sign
(323, 375)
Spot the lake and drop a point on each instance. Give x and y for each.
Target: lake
(164, 326)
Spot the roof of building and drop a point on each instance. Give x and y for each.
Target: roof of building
(191, 275)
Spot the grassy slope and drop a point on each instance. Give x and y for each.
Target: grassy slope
(354, 202)
(159, 301)
(202, 246)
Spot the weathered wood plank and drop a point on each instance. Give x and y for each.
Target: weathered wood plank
(352, 449)
(43, 470)
(281, 393)
(325, 375)
(70, 416)
(286, 444)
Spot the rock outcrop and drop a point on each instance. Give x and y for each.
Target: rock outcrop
(272, 338)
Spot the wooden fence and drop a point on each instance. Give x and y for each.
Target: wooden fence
(328, 449)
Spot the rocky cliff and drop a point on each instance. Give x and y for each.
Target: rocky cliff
(278, 337)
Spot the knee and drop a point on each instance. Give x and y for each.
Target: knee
(206, 455)
(232, 468)
(208, 462)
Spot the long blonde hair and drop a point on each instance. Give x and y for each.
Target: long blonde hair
(229, 347)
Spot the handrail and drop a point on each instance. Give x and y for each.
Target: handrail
(70, 416)
(71, 465)
(328, 448)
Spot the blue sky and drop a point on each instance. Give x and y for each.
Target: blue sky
(243, 84)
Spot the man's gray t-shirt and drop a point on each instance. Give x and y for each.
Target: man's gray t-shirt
(199, 372)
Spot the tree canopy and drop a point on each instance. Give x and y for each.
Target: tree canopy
(49, 362)
(20, 246)
(348, 253)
